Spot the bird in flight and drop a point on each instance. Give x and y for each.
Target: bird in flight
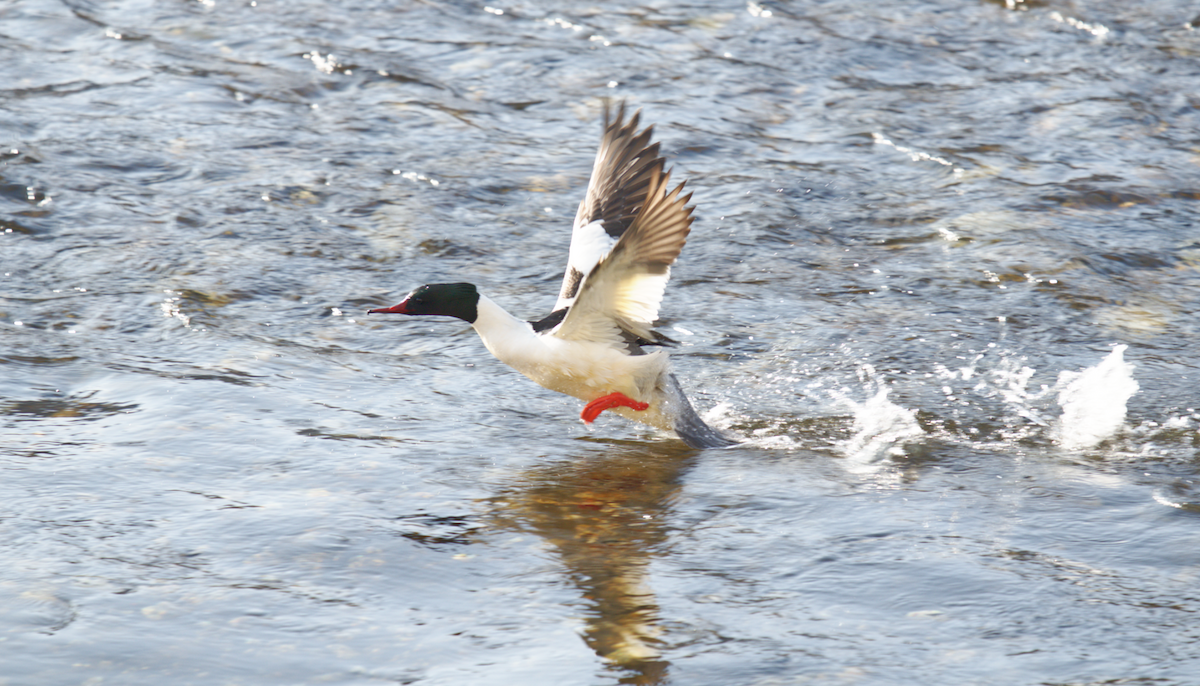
(597, 343)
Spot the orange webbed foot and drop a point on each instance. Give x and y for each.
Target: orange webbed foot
(607, 402)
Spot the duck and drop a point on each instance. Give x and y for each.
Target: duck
(598, 344)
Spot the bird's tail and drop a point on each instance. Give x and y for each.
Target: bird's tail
(690, 427)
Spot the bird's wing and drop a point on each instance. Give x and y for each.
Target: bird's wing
(620, 296)
(616, 192)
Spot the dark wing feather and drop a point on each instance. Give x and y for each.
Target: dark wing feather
(621, 176)
(621, 294)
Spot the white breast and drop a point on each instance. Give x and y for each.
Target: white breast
(583, 369)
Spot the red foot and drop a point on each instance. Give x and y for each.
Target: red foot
(608, 402)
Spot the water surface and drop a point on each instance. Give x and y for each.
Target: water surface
(943, 281)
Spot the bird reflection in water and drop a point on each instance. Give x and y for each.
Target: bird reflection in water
(604, 515)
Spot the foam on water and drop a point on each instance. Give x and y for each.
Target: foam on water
(1093, 401)
(724, 416)
(1010, 380)
(881, 428)
(877, 428)
(1090, 404)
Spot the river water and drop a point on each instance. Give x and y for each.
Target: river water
(944, 282)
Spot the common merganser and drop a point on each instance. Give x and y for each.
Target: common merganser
(595, 344)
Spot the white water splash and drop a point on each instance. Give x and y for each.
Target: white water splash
(720, 415)
(1093, 401)
(1010, 380)
(881, 428)
(723, 416)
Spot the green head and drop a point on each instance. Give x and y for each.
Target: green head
(446, 299)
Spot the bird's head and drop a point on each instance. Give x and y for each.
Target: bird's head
(447, 299)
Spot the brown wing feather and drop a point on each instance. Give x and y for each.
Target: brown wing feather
(621, 174)
(622, 293)
(620, 182)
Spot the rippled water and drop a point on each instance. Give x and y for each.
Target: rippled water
(944, 281)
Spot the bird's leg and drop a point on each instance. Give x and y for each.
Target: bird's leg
(607, 402)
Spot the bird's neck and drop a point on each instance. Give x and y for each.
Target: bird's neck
(508, 338)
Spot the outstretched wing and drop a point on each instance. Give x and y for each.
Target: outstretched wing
(619, 297)
(618, 189)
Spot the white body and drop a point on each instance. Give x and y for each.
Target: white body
(584, 369)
